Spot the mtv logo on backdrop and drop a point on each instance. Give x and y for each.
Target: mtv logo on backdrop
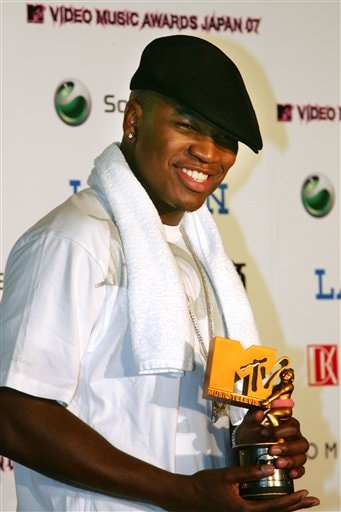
(35, 13)
(323, 365)
(284, 112)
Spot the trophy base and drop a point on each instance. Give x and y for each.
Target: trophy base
(272, 486)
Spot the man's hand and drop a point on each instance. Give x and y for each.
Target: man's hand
(291, 453)
(218, 491)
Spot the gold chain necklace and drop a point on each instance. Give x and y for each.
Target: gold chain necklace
(218, 408)
(204, 282)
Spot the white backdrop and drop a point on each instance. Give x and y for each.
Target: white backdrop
(289, 55)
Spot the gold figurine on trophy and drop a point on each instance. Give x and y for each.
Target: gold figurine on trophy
(279, 404)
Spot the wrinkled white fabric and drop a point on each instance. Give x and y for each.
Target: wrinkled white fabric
(163, 342)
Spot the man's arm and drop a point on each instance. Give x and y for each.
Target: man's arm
(45, 436)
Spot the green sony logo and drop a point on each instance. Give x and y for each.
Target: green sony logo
(72, 102)
(317, 195)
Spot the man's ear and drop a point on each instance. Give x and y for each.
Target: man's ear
(132, 115)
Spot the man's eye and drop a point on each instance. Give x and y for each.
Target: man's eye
(186, 126)
(227, 142)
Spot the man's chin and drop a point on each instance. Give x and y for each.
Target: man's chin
(194, 207)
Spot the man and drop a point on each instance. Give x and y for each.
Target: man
(109, 305)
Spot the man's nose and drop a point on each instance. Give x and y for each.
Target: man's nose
(203, 148)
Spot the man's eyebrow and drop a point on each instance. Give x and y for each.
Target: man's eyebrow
(184, 111)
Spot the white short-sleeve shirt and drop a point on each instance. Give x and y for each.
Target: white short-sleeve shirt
(65, 334)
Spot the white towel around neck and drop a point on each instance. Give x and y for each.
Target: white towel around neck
(161, 331)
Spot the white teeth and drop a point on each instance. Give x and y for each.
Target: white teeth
(195, 175)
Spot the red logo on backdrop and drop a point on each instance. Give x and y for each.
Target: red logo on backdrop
(309, 112)
(323, 365)
(284, 112)
(35, 13)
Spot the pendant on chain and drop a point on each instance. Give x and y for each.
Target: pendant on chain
(218, 408)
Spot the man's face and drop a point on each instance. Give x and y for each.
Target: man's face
(179, 159)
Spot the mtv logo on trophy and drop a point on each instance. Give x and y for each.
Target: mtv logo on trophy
(253, 377)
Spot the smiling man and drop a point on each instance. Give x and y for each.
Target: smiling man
(109, 305)
(179, 158)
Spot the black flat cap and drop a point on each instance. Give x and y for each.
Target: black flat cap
(201, 77)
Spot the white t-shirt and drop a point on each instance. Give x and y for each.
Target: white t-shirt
(66, 337)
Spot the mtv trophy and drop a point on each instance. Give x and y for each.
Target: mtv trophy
(253, 372)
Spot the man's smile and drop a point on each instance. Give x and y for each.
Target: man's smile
(195, 175)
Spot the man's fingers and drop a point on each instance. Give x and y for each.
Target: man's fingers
(249, 473)
(290, 502)
(253, 418)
